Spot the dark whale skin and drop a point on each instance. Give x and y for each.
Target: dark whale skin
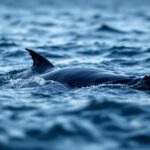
(77, 77)
(84, 77)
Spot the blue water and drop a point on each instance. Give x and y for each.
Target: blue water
(111, 34)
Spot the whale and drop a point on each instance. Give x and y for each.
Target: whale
(79, 76)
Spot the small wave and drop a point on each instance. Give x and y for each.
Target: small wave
(34, 82)
(19, 108)
(7, 44)
(4, 78)
(65, 128)
(123, 51)
(90, 52)
(23, 83)
(140, 138)
(43, 23)
(107, 28)
(97, 106)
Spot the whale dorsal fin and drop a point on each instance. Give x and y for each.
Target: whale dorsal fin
(38, 60)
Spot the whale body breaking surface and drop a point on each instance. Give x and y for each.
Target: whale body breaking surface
(77, 77)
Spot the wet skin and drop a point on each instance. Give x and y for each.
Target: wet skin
(83, 77)
(77, 77)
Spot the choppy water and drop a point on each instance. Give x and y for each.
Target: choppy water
(113, 35)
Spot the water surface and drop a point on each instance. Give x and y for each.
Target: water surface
(112, 35)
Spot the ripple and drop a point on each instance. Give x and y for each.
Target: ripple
(140, 138)
(36, 114)
(7, 44)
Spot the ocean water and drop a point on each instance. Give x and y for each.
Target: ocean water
(111, 34)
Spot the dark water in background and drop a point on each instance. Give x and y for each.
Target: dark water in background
(110, 34)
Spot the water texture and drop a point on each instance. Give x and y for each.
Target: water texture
(111, 34)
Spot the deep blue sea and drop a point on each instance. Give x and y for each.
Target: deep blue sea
(113, 35)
